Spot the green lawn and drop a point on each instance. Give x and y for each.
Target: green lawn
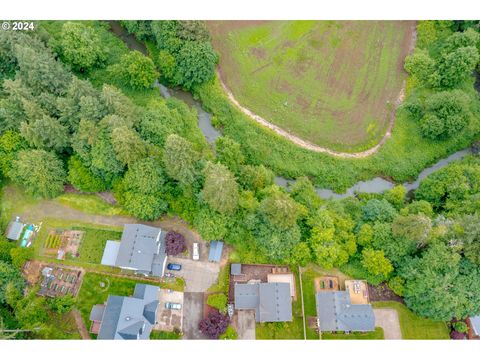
(89, 204)
(164, 335)
(414, 326)
(372, 335)
(328, 82)
(93, 243)
(13, 201)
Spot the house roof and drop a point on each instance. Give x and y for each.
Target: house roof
(215, 253)
(336, 313)
(141, 248)
(129, 317)
(475, 324)
(271, 301)
(14, 230)
(236, 269)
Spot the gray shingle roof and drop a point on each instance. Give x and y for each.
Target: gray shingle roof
(271, 301)
(475, 324)
(236, 269)
(130, 317)
(215, 253)
(14, 230)
(97, 313)
(110, 253)
(336, 313)
(142, 248)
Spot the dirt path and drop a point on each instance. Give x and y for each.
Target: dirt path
(52, 209)
(80, 325)
(308, 145)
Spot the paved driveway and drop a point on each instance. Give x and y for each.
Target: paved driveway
(198, 275)
(192, 314)
(387, 319)
(244, 323)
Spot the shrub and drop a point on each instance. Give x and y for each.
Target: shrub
(460, 326)
(214, 325)
(175, 243)
(218, 301)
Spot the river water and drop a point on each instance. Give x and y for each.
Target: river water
(376, 185)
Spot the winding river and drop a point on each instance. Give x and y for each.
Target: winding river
(376, 185)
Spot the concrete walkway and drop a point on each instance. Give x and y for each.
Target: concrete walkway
(388, 320)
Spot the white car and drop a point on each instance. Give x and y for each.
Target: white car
(196, 253)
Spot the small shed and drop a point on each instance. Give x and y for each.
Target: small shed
(216, 249)
(236, 269)
(475, 325)
(15, 230)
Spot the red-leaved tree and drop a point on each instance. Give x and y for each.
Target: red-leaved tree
(175, 243)
(214, 325)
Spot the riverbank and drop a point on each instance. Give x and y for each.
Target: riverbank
(404, 157)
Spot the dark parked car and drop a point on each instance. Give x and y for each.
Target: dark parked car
(173, 266)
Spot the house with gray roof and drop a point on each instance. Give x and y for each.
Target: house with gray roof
(336, 312)
(15, 229)
(127, 318)
(272, 302)
(141, 248)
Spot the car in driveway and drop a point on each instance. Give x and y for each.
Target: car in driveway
(196, 252)
(175, 267)
(173, 306)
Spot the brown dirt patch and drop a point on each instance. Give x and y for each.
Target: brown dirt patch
(383, 293)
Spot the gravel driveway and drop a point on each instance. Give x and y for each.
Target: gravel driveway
(387, 319)
(198, 275)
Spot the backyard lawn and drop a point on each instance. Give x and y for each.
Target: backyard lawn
(413, 326)
(93, 243)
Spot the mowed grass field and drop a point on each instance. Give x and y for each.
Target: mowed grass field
(329, 82)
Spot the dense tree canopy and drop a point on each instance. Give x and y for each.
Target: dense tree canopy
(220, 190)
(136, 70)
(40, 172)
(80, 46)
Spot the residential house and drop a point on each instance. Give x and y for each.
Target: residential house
(336, 312)
(268, 290)
(141, 249)
(271, 301)
(127, 318)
